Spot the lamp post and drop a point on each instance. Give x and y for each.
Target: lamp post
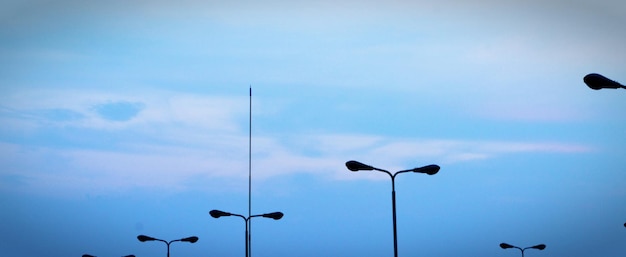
(538, 247)
(429, 169)
(596, 81)
(191, 239)
(272, 215)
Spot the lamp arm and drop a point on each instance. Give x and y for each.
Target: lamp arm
(402, 171)
(385, 171)
(241, 216)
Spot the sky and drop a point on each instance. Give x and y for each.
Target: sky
(121, 118)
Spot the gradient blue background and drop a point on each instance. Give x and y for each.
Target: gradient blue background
(121, 118)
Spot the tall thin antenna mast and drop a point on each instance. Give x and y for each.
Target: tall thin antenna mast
(250, 158)
(249, 171)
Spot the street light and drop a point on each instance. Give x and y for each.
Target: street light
(272, 215)
(429, 169)
(538, 247)
(144, 238)
(596, 81)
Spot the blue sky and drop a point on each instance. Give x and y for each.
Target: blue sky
(120, 119)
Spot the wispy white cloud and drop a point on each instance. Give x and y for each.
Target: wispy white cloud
(392, 152)
(197, 133)
(189, 137)
(167, 167)
(96, 107)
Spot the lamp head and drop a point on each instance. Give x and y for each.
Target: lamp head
(506, 246)
(539, 247)
(87, 255)
(191, 239)
(356, 166)
(132, 255)
(429, 169)
(273, 215)
(217, 213)
(144, 238)
(596, 81)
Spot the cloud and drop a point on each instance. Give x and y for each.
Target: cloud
(174, 167)
(51, 115)
(95, 109)
(166, 140)
(398, 152)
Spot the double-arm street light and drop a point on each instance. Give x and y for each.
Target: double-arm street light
(538, 247)
(191, 239)
(596, 81)
(272, 215)
(429, 169)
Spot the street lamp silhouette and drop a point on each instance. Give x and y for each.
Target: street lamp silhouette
(538, 247)
(272, 215)
(596, 81)
(88, 255)
(429, 169)
(191, 239)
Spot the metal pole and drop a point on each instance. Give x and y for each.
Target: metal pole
(249, 177)
(393, 206)
(247, 240)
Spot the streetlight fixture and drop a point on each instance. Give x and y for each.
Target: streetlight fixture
(144, 238)
(538, 247)
(272, 215)
(596, 81)
(429, 169)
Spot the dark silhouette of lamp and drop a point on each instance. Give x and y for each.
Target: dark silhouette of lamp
(428, 169)
(538, 247)
(144, 238)
(596, 81)
(272, 215)
(217, 213)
